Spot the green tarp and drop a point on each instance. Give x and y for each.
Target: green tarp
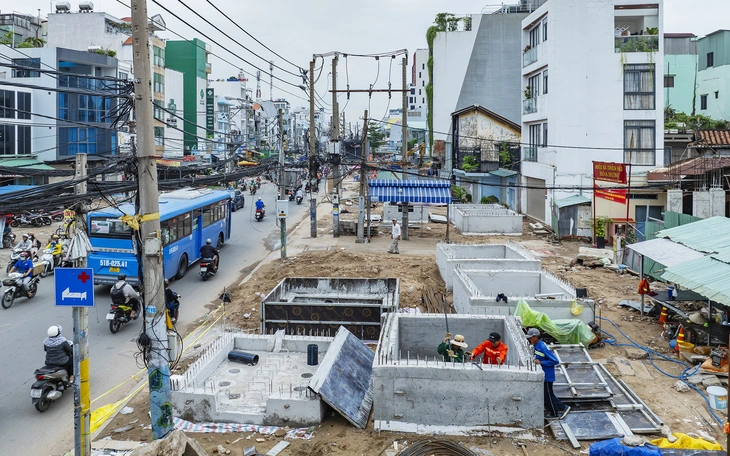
(564, 331)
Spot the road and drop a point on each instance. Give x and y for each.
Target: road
(24, 326)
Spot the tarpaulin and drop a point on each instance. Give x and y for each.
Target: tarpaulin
(613, 447)
(686, 442)
(564, 331)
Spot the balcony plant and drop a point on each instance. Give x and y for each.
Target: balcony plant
(528, 93)
(601, 223)
(470, 164)
(527, 48)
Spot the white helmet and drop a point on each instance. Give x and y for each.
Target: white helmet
(54, 331)
(259, 199)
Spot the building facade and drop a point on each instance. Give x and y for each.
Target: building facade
(713, 76)
(599, 102)
(680, 71)
(419, 79)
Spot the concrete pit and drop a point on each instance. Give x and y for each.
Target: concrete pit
(481, 219)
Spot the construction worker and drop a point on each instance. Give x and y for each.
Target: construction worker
(452, 349)
(495, 351)
(554, 407)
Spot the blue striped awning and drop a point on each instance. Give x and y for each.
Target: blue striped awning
(414, 191)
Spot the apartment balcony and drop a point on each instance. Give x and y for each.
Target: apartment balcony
(529, 153)
(529, 106)
(637, 43)
(529, 57)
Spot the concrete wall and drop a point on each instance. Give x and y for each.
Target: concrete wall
(717, 202)
(486, 219)
(701, 204)
(514, 284)
(412, 394)
(419, 214)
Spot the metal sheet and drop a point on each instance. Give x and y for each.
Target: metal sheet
(344, 378)
(598, 425)
(706, 276)
(666, 252)
(708, 235)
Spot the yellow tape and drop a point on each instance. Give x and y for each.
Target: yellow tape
(134, 221)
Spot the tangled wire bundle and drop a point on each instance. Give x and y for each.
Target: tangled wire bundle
(436, 448)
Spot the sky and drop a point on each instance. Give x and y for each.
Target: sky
(298, 29)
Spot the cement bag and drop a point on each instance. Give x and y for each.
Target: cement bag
(613, 447)
(564, 331)
(686, 442)
(575, 308)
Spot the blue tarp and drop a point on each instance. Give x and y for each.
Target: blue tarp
(414, 191)
(613, 447)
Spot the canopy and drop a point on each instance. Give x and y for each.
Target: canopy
(414, 191)
(665, 251)
(707, 276)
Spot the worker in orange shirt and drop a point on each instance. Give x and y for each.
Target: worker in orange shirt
(495, 351)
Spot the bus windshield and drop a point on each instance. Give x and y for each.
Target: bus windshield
(109, 227)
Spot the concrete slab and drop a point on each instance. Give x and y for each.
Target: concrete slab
(623, 366)
(635, 353)
(640, 370)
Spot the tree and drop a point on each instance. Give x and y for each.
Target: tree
(375, 135)
(32, 42)
(7, 38)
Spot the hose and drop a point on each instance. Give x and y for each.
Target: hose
(436, 448)
(683, 376)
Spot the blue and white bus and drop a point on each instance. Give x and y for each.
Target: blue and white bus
(187, 218)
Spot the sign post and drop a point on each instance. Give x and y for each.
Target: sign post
(74, 287)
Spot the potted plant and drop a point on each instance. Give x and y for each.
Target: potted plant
(527, 48)
(600, 224)
(528, 93)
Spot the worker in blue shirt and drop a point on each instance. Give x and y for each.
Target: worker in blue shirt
(554, 407)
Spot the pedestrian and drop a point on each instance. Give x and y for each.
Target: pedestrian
(396, 238)
(495, 351)
(452, 349)
(554, 407)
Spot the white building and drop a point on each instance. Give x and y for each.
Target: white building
(173, 102)
(419, 79)
(600, 101)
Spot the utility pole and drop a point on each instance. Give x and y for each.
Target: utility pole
(284, 199)
(335, 152)
(82, 402)
(404, 141)
(312, 156)
(361, 202)
(158, 367)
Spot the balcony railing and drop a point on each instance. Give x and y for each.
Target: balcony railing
(637, 43)
(529, 106)
(529, 153)
(530, 56)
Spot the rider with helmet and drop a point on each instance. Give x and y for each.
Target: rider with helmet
(172, 302)
(59, 352)
(35, 245)
(24, 244)
(208, 251)
(131, 297)
(260, 205)
(24, 266)
(55, 246)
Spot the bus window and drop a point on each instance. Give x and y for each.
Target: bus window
(109, 227)
(208, 215)
(196, 214)
(186, 224)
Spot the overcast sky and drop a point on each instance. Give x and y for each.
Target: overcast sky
(297, 29)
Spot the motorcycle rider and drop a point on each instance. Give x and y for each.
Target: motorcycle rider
(59, 352)
(24, 266)
(131, 297)
(208, 251)
(300, 194)
(56, 249)
(172, 302)
(24, 244)
(35, 245)
(261, 206)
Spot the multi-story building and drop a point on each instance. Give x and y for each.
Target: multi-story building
(680, 71)
(600, 102)
(713, 76)
(419, 79)
(17, 27)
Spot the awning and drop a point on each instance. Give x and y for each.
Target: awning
(707, 235)
(665, 251)
(706, 276)
(414, 191)
(572, 200)
(23, 163)
(501, 172)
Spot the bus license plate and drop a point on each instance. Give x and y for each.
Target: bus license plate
(110, 316)
(36, 393)
(113, 269)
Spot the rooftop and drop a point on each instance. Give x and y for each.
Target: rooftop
(711, 138)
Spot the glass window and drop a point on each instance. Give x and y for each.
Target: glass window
(7, 104)
(23, 139)
(123, 76)
(535, 36)
(534, 84)
(639, 142)
(109, 227)
(159, 83)
(27, 73)
(703, 102)
(544, 134)
(639, 86)
(710, 59)
(7, 139)
(544, 30)
(24, 105)
(186, 219)
(158, 56)
(157, 111)
(535, 135)
(207, 215)
(159, 136)
(63, 105)
(669, 81)
(545, 81)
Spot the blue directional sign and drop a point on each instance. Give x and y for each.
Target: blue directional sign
(74, 287)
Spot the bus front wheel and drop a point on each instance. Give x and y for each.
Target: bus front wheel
(182, 267)
(220, 241)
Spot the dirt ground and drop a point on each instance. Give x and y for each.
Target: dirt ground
(682, 412)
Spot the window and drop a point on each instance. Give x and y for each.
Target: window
(535, 36)
(423, 66)
(717, 94)
(159, 136)
(544, 30)
(419, 91)
(423, 83)
(110, 227)
(63, 105)
(7, 104)
(81, 140)
(419, 75)
(544, 81)
(158, 56)
(413, 91)
(24, 105)
(545, 134)
(412, 107)
(703, 102)
(157, 111)
(175, 228)
(639, 142)
(23, 73)
(710, 59)
(91, 108)
(123, 76)
(639, 86)
(423, 100)
(23, 139)
(534, 84)
(159, 83)
(668, 81)
(535, 135)
(7, 139)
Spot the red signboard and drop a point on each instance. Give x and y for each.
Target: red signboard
(615, 195)
(609, 172)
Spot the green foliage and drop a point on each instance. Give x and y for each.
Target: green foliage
(601, 223)
(429, 66)
(429, 117)
(431, 35)
(111, 53)
(470, 164)
(527, 92)
(7, 38)
(491, 199)
(412, 143)
(458, 192)
(32, 42)
(376, 136)
(674, 119)
(652, 30)
(505, 157)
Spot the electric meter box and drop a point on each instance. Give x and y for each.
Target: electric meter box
(282, 208)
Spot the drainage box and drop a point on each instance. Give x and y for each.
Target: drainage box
(483, 219)
(416, 391)
(319, 306)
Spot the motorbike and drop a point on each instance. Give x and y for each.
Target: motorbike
(50, 262)
(259, 215)
(51, 382)
(207, 268)
(291, 195)
(14, 257)
(8, 240)
(253, 190)
(15, 288)
(121, 314)
(298, 199)
(30, 220)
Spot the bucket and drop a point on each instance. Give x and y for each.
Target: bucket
(670, 289)
(312, 355)
(686, 350)
(718, 397)
(243, 357)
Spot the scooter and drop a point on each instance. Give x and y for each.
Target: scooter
(8, 240)
(299, 199)
(51, 382)
(259, 215)
(207, 268)
(120, 314)
(15, 288)
(291, 195)
(253, 190)
(50, 262)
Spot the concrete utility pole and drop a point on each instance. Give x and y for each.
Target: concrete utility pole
(82, 402)
(336, 153)
(404, 141)
(158, 367)
(312, 156)
(363, 183)
(283, 197)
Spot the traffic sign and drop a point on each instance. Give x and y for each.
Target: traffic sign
(74, 287)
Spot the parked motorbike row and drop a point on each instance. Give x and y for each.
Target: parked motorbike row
(35, 219)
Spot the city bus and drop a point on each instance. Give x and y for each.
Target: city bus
(188, 217)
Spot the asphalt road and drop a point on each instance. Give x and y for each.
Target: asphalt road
(24, 326)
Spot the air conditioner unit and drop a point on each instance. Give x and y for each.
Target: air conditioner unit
(62, 7)
(86, 6)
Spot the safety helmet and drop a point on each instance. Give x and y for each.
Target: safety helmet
(208, 241)
(55, 237)
(258, 199)
(122, 277)
(54, 331)
(25, 235)
(23, 254)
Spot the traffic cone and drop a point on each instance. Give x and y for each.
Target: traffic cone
(664, 316)
(680, 338)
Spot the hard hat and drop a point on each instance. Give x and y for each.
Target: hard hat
(54, 331)
(122, 277)
(208, 241)
(25, 234)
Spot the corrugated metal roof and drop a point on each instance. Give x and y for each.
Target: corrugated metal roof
(27, 163)
(706, 276)
(665, 251)
(501, 172)
(723, 255)
(708, 235)
(572, 200)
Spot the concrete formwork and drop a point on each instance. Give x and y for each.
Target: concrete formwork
(486, 219)
(488, 257)
(416, 391)
(321, 305)
(274, 392)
